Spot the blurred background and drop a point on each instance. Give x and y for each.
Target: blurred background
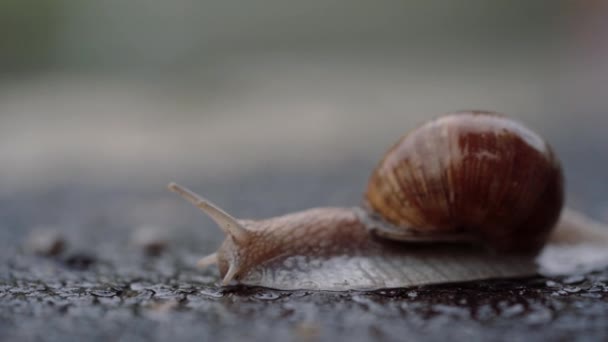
(265, 107)
(283, 102)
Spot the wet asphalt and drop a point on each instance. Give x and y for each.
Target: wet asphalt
(105, 282)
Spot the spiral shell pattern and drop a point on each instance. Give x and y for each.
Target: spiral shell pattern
(476, 172)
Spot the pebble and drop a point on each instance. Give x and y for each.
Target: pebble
(45, 241)
(79, 261)
(153, 241)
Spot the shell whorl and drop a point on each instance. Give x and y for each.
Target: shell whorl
(474, 172)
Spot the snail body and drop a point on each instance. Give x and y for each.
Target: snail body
(467, 196)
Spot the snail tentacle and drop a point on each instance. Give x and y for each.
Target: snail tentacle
(230, 274)
(230, 225)
(207, 261)
(238, 238)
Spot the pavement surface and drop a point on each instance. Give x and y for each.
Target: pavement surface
(121, 268)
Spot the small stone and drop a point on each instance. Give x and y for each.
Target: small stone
(79, 261)
(45, 241)
(152, 240)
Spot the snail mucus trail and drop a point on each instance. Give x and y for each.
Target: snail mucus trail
(467, 196)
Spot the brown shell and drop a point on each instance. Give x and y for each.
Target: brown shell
(474, 172)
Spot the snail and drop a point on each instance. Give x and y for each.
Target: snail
(465, 196)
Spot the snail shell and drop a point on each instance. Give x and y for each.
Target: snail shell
(460, 184)
(479, 173)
